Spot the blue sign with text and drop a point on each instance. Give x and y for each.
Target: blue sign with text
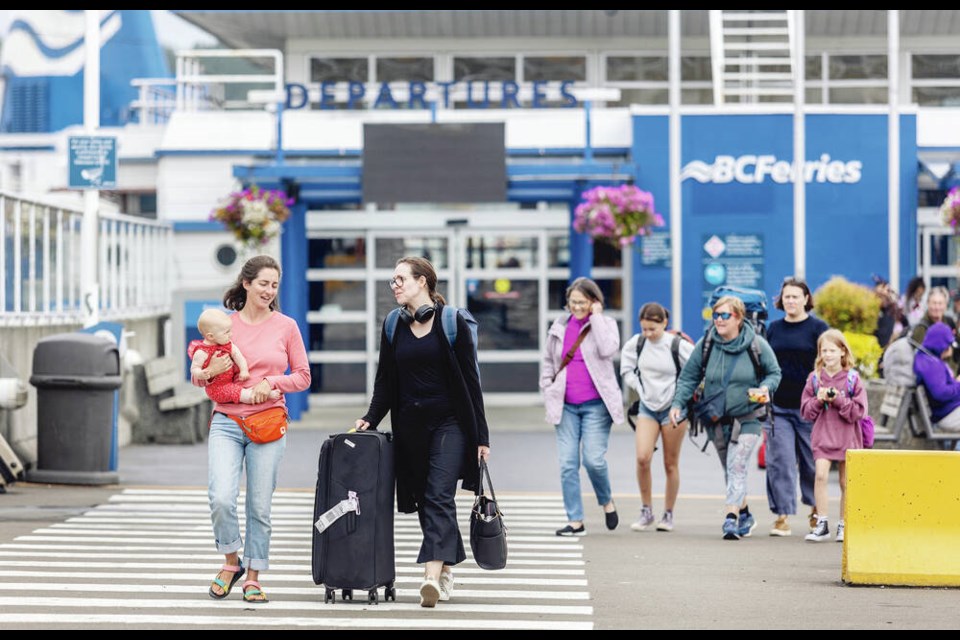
(92, 162)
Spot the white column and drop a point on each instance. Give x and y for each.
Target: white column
(676, 205)
(799, 146)
(893, 145)
(89, 299)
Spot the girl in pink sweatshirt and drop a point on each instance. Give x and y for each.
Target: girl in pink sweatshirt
(835, 400)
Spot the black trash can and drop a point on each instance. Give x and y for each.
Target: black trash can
(76, 375)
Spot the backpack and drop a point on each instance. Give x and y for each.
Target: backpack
(675, 352)
(754, 300)
(705, 349)
(448, 320)
(866, 423)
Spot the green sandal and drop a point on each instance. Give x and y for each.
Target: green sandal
(250, 595)
(237, 570)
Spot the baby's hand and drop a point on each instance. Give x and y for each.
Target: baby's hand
(274, 394)
(243, 375)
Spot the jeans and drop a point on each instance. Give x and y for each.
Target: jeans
(734, 457)
(787, 448)
(227, 449)
(585, 426)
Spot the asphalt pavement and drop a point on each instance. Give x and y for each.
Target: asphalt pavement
(686, 579)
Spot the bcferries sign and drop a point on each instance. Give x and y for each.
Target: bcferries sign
(757, 169)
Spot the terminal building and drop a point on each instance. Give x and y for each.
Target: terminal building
(811, 142)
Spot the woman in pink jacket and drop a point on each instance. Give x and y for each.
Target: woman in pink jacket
(583, 398)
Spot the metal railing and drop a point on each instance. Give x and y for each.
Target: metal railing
(40, 264)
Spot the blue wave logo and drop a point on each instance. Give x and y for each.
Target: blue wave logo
(46, 43)
(698, 170)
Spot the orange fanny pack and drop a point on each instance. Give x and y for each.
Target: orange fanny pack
(265, 426)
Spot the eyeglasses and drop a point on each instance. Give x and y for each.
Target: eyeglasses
(724, 315)
(395, 282)
(578, 303)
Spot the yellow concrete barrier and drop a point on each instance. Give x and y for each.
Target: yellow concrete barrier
(902, 518)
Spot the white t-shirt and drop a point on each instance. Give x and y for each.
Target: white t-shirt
(657, 369)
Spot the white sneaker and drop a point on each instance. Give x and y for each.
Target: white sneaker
(446, 585)
(840, 532)
(429, 593)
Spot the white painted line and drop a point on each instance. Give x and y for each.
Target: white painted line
(274, 557)
(298, 578)
(499, 593)
(23, 549)
(229, 622)
(171, 565)
(200, 542)
(294, 605)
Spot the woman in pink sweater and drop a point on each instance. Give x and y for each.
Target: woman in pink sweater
(583, 398)
(272, 344)
(835, 400)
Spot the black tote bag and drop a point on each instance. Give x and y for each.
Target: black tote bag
(488, 535)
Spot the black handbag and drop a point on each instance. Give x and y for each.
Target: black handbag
(488, 535)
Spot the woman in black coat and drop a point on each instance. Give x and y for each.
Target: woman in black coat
(433, 394)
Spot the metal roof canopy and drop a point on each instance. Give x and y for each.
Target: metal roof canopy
(271, 29)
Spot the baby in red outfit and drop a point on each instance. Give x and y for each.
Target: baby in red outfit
(215, 327)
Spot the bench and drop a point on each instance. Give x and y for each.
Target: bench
(893, 414)
(924, 426)
(171, 410)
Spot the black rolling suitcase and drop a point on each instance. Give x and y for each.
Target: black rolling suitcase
(353, 516)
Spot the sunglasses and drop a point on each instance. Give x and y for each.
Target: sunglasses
(725, 315)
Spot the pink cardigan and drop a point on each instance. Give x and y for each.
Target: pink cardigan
(599, 349)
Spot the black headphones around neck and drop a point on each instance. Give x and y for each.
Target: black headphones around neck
(424, 313)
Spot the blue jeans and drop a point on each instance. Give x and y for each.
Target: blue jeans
(227, 448)
(584, 425)
(788, 448)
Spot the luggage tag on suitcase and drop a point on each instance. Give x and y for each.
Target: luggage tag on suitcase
(342, 508)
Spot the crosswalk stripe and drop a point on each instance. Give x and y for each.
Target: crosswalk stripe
(230, 622)
(285, 605)
(97, 569)
(311, 591)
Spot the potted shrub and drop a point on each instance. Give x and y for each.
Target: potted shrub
(853, 309)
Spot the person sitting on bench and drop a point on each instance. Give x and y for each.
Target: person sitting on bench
(935, 375)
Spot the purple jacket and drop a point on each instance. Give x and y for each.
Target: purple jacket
(934, 374)
(599, 348)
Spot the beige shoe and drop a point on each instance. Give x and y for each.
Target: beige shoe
(780, 527)
(446, 585)
(429, 593)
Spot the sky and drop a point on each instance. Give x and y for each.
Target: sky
(172, 31)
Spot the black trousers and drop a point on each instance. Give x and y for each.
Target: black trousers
(437, 506)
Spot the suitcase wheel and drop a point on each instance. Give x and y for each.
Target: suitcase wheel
(373, 597)
(347, 594)
(329, 596)
(390, 593)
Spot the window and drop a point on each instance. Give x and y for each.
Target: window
(339, 70)
(405, 70)
(470, 69)
(644, 79)
(554, 68)
(935, 80)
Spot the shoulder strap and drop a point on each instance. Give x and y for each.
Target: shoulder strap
(675, 352)
(851, 381)
(448, 319)
(576, 345)
(816, 383)
(755, 358)
(390, 324)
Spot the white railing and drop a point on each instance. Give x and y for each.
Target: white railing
(198, 90)
(40, 264)
(156, 100)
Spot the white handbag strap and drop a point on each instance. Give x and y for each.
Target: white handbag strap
(352, 503)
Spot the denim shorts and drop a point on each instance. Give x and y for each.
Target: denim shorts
(661, 417)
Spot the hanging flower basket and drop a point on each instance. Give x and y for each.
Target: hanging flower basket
(618, 215)
(950, 210)
(253, 215)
